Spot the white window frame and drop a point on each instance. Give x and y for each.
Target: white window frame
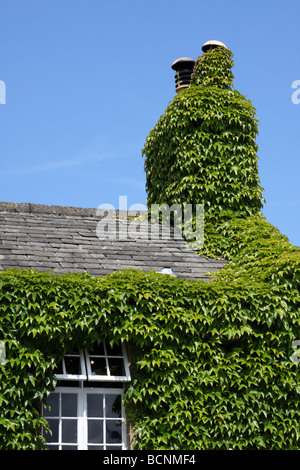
(66, 376)
(82, 419)
(86, 371)
(86, 377)
(109, 377)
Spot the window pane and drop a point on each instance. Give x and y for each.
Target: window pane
(95, 447)
(114, 448)
(116, 350)
(95, 431)
(53, 425)
(72, 365)
(113, 431)
(69, 430)
(98, 366)
(95, 406)
(69, 404)
(116, 366)
(113, 406)
(53, 401)
(53, 447)
(59, 368)
(69, 447)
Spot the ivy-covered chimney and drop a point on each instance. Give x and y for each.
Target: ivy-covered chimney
(203, 148)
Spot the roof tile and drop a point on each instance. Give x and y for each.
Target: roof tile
(65, 239)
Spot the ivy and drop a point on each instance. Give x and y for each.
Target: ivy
(211, 361)
(203, 148)
(214, 356)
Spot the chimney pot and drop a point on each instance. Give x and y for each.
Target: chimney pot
(184, 68)
(212, 45)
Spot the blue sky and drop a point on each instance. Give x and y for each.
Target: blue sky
(87, 80)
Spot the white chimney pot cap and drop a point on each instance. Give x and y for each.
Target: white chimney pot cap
(207, 45)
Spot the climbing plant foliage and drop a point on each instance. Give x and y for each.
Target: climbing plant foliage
(203, 149)
(211, 366)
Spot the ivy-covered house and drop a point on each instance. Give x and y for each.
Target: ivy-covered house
(115, 338)
(86, 411)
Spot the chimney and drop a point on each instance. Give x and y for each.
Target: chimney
(184, 69)
(212, 45)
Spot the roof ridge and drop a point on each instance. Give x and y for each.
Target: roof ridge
(30, 208)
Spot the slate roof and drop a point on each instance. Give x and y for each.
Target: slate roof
(64, 239)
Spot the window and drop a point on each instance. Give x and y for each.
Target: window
(86, 409)
(103, 363)
(86, 419)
